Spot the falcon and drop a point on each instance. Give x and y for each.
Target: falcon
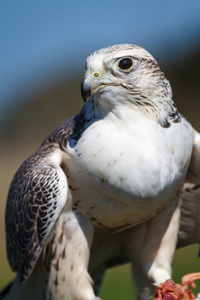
(118, 182)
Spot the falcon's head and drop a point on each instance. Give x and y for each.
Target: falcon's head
(125, 74)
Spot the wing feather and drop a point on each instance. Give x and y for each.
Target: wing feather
(189, 232)
(36, 198)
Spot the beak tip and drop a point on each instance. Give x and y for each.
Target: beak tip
(85, 89)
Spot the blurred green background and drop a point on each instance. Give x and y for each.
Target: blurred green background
(43, 47)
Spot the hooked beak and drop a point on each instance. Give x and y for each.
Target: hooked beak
(86, 88)
(91, 84)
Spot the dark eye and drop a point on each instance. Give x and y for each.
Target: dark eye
(125, 63)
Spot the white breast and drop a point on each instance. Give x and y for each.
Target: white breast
(130, 165)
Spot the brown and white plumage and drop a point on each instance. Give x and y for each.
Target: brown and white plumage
(105, 186)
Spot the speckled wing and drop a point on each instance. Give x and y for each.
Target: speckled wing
(189, 232)
(36, 198)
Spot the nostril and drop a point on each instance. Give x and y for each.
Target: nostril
(96, 74)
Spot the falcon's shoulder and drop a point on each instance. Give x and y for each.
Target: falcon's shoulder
(72, 129)
(61, 134)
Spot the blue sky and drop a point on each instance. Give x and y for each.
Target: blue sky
(40, 39)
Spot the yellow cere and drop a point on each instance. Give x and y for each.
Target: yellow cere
(96, 74)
